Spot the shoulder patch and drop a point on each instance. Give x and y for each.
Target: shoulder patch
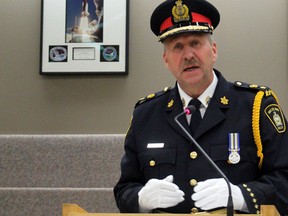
(152, 96)
(276, 117)
(265, 89)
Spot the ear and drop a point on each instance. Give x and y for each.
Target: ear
(164, 57)
(214, 51)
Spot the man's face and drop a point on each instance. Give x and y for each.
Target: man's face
(190, 58)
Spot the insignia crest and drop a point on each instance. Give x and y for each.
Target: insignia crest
(253, 86)
(183, 102)
(151, 96)
(170, 104)
(275, 115)
(268, 92)
(224, 100)
(207, 100)
(58, 53)
(180, 12)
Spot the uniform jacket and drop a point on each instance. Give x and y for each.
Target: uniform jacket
(229, 111)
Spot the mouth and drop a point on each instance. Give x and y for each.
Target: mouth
(191, 68)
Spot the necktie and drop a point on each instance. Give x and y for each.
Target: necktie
(196, 116)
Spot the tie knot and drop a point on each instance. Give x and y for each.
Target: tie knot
(196, 103)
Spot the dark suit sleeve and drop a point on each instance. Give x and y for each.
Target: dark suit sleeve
(131, 180)
(272, 185)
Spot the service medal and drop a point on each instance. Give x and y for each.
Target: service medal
(234, 148)
(234, 157)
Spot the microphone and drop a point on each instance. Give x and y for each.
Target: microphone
(188, 111)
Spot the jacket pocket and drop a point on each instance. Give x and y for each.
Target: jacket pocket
(157, 163)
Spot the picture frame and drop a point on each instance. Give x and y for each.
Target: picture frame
(84, 37)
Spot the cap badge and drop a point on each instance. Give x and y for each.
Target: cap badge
(180, 12)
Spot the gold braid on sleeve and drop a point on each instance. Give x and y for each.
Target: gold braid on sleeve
(256, 126)
(256, 122)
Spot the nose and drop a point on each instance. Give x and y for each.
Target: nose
(188, 53)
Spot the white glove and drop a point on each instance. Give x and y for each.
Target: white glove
(159, 194)
(213, 193)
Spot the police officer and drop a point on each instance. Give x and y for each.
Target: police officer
(240, 126)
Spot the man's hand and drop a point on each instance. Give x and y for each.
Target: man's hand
(159, 194)
(213, 193)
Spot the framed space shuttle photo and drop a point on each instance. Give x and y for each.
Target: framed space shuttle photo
(84, 37)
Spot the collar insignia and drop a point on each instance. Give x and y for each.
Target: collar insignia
(180, 12)
(183, 102)
(207, 100)
(224, 100)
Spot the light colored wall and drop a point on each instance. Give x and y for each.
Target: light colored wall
(252, 42)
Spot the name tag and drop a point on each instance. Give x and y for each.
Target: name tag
(155, 145)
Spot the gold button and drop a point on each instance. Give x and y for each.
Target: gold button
(194, 210)
(152, 163)
(193, 182)
(193, 155)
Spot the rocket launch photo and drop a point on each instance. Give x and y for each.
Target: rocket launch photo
(84, 21)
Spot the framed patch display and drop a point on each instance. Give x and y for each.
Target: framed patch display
(84, 37)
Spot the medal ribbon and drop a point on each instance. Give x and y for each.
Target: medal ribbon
(234, 143)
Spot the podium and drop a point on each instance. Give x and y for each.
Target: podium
(75, 210)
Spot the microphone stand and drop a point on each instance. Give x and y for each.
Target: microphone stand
(189, 110)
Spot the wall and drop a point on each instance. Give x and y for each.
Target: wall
(252, 42)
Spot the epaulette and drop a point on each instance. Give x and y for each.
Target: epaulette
(152, 96)
(265, 89)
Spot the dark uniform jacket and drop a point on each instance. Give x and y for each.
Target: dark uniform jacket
(229, 111)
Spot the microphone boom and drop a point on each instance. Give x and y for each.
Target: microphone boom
(188, 111)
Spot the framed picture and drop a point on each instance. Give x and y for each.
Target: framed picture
(84, 37)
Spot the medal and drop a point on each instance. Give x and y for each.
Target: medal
(234, 148)
(234, 157)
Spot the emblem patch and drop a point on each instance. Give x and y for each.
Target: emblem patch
(275, 115)
(58, 53)
(109, 53)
